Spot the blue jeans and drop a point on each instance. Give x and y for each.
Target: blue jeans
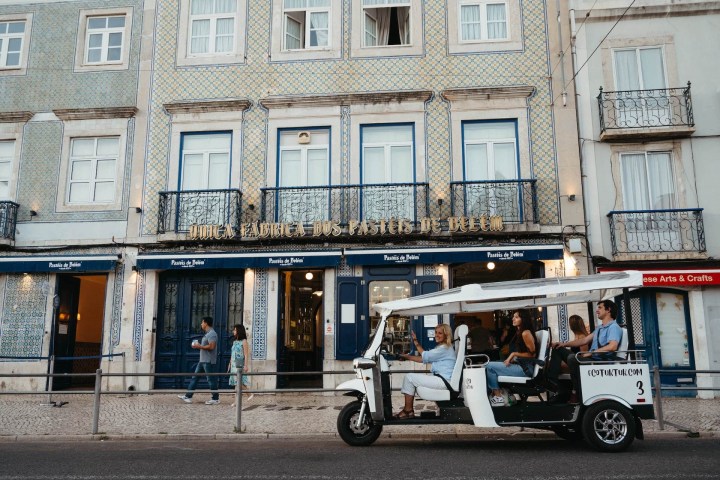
(213, 381)
(494, 369)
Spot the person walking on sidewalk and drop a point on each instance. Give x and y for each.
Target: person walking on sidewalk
(239, 358)
(208, 358)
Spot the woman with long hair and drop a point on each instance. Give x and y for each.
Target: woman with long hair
(577, 326)
(239, 357)
(516, 363)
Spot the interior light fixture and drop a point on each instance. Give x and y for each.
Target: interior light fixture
(491, 265)
(309, 276)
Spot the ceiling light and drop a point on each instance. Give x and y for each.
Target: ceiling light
(491, 265)
(309, 276)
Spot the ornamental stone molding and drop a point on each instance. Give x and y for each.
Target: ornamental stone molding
(345, 99)
(207, 106)
(15, 117)
(487, 93)
(67, 114)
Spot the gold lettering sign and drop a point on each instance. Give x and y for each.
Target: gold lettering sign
(360, 228)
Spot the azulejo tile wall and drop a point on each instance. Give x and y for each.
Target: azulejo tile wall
(435, 70)
(22, 324)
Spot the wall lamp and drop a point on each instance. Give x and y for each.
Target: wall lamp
(33, 213)
(138, 210)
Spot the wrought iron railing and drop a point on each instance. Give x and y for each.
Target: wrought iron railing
(657, 231)
(178, 211)
(342, 203)
(514, 200)
(667, 107)
(8, 219)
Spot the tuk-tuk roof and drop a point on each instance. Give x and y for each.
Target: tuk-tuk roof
(536, 292)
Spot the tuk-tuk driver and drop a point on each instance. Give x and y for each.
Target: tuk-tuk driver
(604, 341)
(442, 359)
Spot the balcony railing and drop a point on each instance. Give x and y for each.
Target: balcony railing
(179, 210)
(514, 200)
(657, 231)
(342, 203)
(8, 219)
(668, 107)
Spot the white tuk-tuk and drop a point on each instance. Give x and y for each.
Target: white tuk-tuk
(615, 394)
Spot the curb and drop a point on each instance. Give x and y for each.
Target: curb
(242, 437)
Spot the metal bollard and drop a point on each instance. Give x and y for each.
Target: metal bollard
(49, 381)
(658, 397)
(96, 401)
(238, 400)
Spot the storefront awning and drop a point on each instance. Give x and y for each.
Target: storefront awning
(430, 255)
(58, 263)
(226, 260)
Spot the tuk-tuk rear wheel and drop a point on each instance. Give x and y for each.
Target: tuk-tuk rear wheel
(350, 432)
(609, 426)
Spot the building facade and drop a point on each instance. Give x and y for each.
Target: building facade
(301, 160)
(649, 138)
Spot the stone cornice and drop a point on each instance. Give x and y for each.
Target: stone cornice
(15, 117)
(208, 106)
(345, 99)
(649, 11)
(66, 114)
(487, 93)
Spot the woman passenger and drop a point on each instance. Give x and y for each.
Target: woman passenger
(577, 326)
(514, 365)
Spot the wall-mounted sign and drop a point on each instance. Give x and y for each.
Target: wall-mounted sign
(677, 278)
(359, 228)
(59, 264)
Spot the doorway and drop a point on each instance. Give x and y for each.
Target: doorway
(77, 337)
(300, 328)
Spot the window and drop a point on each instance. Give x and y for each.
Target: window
(387, 158)
(483, 21)
(490, 160)
(93, 164)
(304, 161)
(306, 24)
(104, 39)
(205, 161)
(7, 152)
(387, 22)
(11, 43)
(638, 69)
(14, 43)
(212, 27)
(647, 180)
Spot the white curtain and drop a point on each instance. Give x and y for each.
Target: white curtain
(626, 71)
(382, 16)
(200, 36)
(201, 7)
(660, 178)
(225, 35)
(653, 70)
(403, 15)
(319, 29)
(496, 21)
(634, 182)
(225, 6)
(470, 22)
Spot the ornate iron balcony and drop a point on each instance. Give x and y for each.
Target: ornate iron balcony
(8, 219)
(179, 210)
(514, 200)
(669, 107)
(342, 203)
(657, 231)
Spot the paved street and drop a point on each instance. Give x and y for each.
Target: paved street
(265, 416)
(313, 459)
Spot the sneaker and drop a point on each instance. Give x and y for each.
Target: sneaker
(497, 402)
(212, 402)
(185, 398)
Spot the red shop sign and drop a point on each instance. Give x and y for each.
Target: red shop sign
(681, 278)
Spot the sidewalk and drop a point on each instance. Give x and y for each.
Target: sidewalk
(265, 416)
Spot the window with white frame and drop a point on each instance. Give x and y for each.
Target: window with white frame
(212, 27)
(648, 181)
(12, 35)
(93, 170)
(386, 22)
(205, 161)
(388, 158)
(105, 39)
(306, 24)
(483, 21)
(304, 160)
(640, 69)
(7, 153)
(491, 169)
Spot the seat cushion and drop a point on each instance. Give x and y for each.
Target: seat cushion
(433, 394)
(506, 379)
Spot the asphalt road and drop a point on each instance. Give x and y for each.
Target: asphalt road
(331, 459)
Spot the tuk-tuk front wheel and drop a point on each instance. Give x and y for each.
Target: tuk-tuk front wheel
(609, 426)
(353, 434)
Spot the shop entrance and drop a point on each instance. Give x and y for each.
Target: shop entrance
(78, 328)
(300, 328)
